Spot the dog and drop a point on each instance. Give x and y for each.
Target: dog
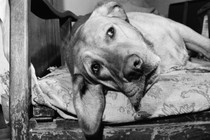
(125, 52)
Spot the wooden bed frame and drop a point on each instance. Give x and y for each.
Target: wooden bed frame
(43, 123)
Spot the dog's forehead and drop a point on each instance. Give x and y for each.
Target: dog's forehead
(95, 29)
(93, 25)
(92, 33)
(102, 23)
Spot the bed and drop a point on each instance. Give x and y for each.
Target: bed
(41, 108)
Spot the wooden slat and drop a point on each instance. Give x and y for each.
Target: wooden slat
(208, 13)
(4, 134)
(19, 80)
(44, 36)
(193, 126)
(65, 31)
(43, 111)
(69, 130)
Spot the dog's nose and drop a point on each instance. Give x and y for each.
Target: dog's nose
(132, 68)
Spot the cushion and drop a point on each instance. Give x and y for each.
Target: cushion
(177, 92)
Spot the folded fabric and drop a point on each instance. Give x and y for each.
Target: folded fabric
(177, 92)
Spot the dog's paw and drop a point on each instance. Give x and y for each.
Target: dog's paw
(140, 115)
(204, 55)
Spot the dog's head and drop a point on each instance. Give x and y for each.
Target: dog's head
(108, 54)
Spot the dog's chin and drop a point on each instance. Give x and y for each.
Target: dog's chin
(135, 91)
(133, 88)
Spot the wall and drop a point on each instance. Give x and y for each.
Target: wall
(81, 7)
(163, 5)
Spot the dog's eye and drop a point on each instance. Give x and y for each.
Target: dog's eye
(95, 67)
(111, 32)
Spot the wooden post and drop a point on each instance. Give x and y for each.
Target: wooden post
(19, 75)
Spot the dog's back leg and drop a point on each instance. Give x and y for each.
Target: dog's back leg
(198, 66)
(193, 40)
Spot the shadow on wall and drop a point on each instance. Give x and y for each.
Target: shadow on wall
(81, 7)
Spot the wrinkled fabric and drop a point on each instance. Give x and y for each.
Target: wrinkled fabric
(177, 92)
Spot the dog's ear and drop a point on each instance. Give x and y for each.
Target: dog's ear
(89, 104)
(110, 9)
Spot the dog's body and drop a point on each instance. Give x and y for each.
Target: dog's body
(113, 50)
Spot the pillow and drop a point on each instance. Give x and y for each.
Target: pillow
(177, 92)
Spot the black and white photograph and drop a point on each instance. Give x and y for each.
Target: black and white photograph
(104, 69)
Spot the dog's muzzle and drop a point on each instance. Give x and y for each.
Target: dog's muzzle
(132, 67)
